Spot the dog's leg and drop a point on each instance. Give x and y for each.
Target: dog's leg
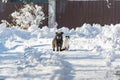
(57, 48)
(68, 47)
(53, 49)
(60, 48)
(53, 46)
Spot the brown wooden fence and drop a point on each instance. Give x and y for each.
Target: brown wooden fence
(10, 7)
(76, 13)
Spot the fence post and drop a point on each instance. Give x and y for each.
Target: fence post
(52, 13)
(2, 5)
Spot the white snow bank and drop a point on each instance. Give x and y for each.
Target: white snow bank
(91, 46)
(33, 57)
(88, 31)
(108, 34)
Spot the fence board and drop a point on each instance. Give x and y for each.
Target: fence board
(76, 13)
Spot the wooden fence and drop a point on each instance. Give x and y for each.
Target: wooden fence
(76, 13)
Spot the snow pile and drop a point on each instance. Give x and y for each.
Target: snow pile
(88, 31)
(92, 47)
(39, 62)
(33, 57)
(104, 35)
(11, 38)
(7, 33)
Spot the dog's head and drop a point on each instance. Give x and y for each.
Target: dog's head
(67, 37)
(59, 35)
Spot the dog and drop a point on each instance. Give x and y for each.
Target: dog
(57, 42)
(66, 43)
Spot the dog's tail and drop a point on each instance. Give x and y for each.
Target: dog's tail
(63, 49)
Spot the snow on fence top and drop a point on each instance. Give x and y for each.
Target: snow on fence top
(24, 1)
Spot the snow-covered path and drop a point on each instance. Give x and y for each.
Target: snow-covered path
(91, 62)
(75, 64)
(8, 67)
(83, 64)
(86, 67)
(94, 54)
(78, 63)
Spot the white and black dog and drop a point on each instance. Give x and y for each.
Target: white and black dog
(66, 41)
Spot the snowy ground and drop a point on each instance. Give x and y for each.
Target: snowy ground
(94, 54)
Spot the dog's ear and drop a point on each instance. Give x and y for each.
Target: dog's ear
(62, 32)
(67, 36)
(56, 33)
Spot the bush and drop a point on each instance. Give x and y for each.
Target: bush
(27, 16)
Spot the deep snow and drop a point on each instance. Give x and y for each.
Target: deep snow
(94, 53)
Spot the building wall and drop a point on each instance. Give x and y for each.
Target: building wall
(76, 13)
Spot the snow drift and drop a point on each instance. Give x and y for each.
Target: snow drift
(92, 47)
(107, 34)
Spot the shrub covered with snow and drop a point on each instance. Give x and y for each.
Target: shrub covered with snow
(4, 1)
(29, 15)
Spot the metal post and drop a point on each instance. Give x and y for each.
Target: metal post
(51, 13)
(1, 6)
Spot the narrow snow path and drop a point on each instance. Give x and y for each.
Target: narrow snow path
(87, 66)
(8, 67)
(74, 64)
